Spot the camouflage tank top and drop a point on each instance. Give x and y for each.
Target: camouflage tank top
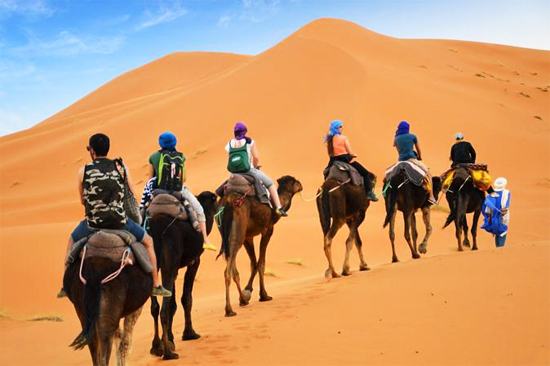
(103, 195)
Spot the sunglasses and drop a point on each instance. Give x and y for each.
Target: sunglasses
(88, 148)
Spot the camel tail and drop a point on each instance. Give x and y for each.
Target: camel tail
(452, 214)
(391, 201)
(91, 300)
(323, 206)
(225, 229)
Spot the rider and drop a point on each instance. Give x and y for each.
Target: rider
(339, 149)
(242, 143)
(167, 142)
(101, 192)
(405, 143)
(462, 151)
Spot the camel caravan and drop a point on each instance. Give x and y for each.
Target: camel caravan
(114, 255)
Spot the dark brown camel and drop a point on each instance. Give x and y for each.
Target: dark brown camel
(239, 225)
(338, 205)
(464, 198)
(408, 198)
(177, 245)
(101, 306)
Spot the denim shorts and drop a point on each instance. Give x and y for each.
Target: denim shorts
(83, 230)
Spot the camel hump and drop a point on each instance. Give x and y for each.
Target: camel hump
(343, 173)
(168, 204)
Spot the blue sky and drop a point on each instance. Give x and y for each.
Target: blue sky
(54, 52)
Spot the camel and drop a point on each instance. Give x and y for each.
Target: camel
(464, 198)
(101, 306)
(243, 218)
(408, 198)
(177, 245)
(338, 205)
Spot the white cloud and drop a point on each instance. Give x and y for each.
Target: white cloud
(163, 15)
(255, 11)
(15, 70)
(224, 21)
(27, 8)
(68, 44)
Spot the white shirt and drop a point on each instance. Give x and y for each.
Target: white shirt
(239, 143)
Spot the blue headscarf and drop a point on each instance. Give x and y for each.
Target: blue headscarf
(167, 141)
(334, 125)
(402, 128)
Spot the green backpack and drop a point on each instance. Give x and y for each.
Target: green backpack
(238, 159)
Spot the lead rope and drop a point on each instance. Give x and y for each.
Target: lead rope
(123, 262)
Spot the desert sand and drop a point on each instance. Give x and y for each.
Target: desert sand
(488, 307)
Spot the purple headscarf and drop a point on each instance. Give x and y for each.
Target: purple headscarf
(240, 131)
(402, 128)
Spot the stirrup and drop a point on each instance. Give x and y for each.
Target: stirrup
(209, 246)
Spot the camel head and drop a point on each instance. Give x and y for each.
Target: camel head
(289, 184)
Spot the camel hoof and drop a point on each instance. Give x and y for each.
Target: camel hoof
(422, 249)
(474, 248)
(171, 356)
(190, 336)
(416, 256)
(242, 302)
(346, 273)
(246, 295)
(364, 267)
(156, 351)
(266, 298)
(460, 249)
(394, 260)
(230, 313)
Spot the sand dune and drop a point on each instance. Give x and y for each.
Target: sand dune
(496, 95)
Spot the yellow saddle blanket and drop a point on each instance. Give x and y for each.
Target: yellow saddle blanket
(481, 178)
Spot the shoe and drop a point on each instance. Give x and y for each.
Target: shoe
(209, 246)
(61, 294)
(161, 291)
(281, 212)
(372, 197)
(432, 202)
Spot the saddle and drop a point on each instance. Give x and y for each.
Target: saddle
(174, 204)
(244, 184)
(414, 173)
(343, 173)
(478, 172)
(111, 244)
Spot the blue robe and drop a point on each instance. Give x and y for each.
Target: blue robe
(494, 221)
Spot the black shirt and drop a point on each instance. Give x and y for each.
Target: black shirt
(463, 152)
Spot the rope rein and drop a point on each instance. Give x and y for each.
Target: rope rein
(125, 260)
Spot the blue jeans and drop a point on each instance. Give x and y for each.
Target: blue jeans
(83, 230)
(500, 240)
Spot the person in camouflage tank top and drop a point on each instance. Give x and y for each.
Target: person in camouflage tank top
(101, 192)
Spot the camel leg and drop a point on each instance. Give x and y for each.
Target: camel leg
(414, 231)
(408, 223)
(236, 239)
(336, 225)
(123, 349)
(249, 246)
(187, 300)
(173, 307)
(261, 264)
(392, 236)
(465, 228)
(426, 212)
(349, 245)
(359, 245)
(168, 281)
(94, 350)
(460, 215)
(156, 346)
(477, 213)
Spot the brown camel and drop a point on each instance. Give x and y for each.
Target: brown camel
(408, 198)
(243, 218)
(101, 306)
(338, 205)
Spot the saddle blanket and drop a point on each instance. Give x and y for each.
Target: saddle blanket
(413, 172)
(343, 173)
(479, 173)
(111, 244)
(244, 184)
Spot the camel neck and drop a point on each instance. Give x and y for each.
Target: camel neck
(286, 199)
